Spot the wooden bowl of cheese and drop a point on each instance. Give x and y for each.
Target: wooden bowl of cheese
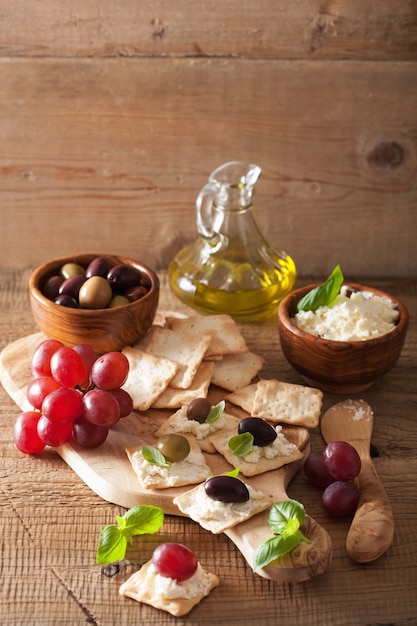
(345, 348)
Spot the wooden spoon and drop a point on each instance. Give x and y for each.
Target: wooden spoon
(304, 561)
(372, 528)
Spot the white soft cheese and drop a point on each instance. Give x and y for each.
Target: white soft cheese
(279, 447)
(180, 423)
(361, 316)
(169, 589)
(172, 474)
(206, 509)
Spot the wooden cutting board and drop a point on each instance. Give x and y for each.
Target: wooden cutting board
(108, 472)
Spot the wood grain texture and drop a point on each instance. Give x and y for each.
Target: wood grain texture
(333, 29)
(112, 153)
(50, 520)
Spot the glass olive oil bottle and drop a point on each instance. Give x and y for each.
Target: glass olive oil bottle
(231, 268)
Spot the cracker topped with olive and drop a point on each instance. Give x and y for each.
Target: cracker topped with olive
(256, 446)
(200, 419)
(221, 502)
(174, 461)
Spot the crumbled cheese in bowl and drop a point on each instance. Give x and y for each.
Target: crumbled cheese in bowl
(355, 316)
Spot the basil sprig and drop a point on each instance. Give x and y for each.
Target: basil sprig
(140, 520)
(284, 519)
(324, 294)
(154, 456)
(215, 412)
(241, 444)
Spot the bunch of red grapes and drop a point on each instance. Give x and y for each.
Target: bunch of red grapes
(334, 469)
(74, 394)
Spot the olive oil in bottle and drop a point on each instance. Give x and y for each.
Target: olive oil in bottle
(231, 268)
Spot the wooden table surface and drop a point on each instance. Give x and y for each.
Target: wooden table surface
(50, 520)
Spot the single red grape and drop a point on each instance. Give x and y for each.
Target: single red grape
(316, 470)
(174, 560)
(89, 435)
(101, 408)
(63, 405)
(42, 356)
(342, 460)
(25, 433)
(110, 370)
(124, 399)
(340, 498)
(67, 367)
(39, 388)
(88, 356)
(54, 433)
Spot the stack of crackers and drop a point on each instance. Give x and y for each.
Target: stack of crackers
(177, 361)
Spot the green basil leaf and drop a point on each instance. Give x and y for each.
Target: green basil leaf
(143, 519)
(234, 473)
(215, 412)
(112, 545)
(281, 513)
(241, 444)
(154, 456)
(273, 548)
(324, 294)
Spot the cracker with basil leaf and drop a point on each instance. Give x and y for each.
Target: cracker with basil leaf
(155, 471)
(217, 420)
(240, 451)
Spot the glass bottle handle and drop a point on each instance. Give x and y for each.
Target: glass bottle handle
(204, 204)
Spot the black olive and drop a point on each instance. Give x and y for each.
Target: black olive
(198, 409)
(263, 433)
(226, 489)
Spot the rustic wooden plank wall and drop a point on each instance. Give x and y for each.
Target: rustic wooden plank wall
(112, 115)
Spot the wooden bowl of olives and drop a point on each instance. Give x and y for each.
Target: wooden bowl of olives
(341, 366)
(103, 300)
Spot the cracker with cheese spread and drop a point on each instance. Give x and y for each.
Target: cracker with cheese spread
(261, 458)
(179, 423)
(176, 598)
(193, 469)
(216, 516)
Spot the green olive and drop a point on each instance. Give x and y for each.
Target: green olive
(174, 447)
(118, 301)
(71, 269)
(95, 293)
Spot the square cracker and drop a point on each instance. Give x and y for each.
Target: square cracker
(225, 335)
(179, 423)
(287, 403)
(235, 371)
(172, 398)
(140, 587)
(193, 469)
(243, 397)
(221, 442)
(183, 347)
(233, 513)
(148, 377)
